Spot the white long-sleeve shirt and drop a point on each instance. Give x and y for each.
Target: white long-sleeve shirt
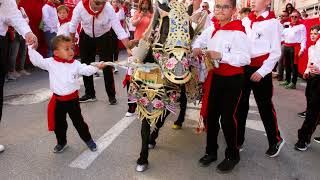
(64, 29)
(265, 38)
(234, 46)
(102, 24)
(121, 15)
(63, 76)
(10, 15)
(50, 19)
(296, 34)
(313, 56)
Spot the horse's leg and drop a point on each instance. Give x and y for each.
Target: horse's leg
(145, 134)
(183, 108)
(154, 135)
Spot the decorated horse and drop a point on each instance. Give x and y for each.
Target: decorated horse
(165, 72)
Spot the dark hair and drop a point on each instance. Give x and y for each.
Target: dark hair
(245, 10)
(287, 9)
(315, 27)
(234, 3)
(59, 39)
(63, 7)
(288, 5)
(150, 5)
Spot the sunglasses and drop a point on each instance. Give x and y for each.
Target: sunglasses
(294, 16)
(204, 6)
(222, 7)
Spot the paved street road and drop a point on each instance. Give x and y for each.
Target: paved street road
(23, 131)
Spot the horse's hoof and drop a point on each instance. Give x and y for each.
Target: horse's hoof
(176, 127)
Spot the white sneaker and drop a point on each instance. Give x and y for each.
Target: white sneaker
(16, 74)
(141, 168)
(241, 149)
(24, 72)
(11, 77)
(128, 114)
(1, 148)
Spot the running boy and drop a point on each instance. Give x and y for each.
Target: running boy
(63, 75)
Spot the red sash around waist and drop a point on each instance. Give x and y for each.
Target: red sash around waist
(258, 61)
(52, 106)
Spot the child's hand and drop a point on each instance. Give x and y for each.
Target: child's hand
(314, 69)
(101, 65)
(256, 77)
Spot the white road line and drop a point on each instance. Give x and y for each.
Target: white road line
(255, 125)
(84, 160)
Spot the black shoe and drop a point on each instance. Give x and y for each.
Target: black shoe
(207, 159)
(92, 145)
(302, 114)
(87, 98)
(113, 101)
(59, 148)
(316, 139)
(274, 150)
(301, 145)
(227, 165)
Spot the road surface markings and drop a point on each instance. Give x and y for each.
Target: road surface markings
(84, 160)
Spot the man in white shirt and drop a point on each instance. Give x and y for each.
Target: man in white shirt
(10, 15)
(97, 18)
(295, 38)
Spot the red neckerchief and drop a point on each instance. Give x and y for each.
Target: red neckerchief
(116, 9)
(89, 10)
(63, 21)
(63, 60)
(296, 24)
(51, 4)
(235, 25)
(284, 21)
(312, 43)
(254, 18)
(214, 19)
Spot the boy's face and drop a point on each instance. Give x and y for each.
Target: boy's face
(64, 50)
(115, 3)
(63, 14)
(224, 10)
(259, 5)
(314, 35)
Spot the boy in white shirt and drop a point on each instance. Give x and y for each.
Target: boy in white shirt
(264, 32)
(312, 74)
(50, 20)
(229, 46)
(63, 75)
(63, 13)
